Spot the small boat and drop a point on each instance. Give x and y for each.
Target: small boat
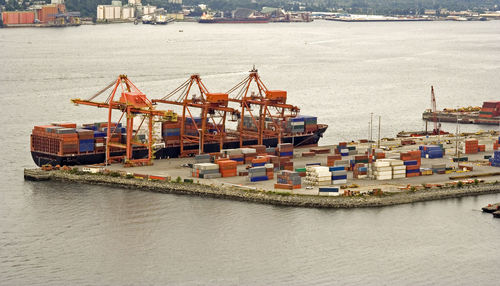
(496, 214)
(492, 208)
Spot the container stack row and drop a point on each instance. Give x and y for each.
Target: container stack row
(471, 146)
(412, 160)
(318, 176)
(67, 139)
(495, 160)
(263, 173)
(431, 151)
(206, 171)
(288, 180)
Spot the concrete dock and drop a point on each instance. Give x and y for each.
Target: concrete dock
(394, 191)
(392, 147)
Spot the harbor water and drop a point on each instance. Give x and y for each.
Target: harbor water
(57, 234)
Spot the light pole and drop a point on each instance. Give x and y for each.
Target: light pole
(370, 124)
(199, 143)
(379, 120)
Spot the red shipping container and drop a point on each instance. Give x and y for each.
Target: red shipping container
(284, 186)
(26, 17)
(65, 125)
(10, 18)
(413, 167)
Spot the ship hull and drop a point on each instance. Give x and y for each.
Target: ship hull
(467, 118)
(41, 158)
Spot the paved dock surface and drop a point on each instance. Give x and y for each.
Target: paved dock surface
(176, 167)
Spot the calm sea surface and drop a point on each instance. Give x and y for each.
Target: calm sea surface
(56, 234)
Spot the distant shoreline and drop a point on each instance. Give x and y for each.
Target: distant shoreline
(266, 197)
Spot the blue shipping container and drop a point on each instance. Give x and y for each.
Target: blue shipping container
(343, 177)
(328, 190)
(99, 134)
(338, 168)
(411, 163)
(257, 179)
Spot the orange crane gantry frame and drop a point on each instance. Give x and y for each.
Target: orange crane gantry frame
(131, 102)
(212, 105)
(265, 100)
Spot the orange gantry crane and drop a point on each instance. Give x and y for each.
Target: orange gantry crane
(131, 103)
(272, 110)
(212, 107)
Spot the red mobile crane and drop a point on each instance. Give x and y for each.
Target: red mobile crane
(437, 127)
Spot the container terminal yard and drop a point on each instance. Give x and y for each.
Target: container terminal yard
(395, 175)
(391, 172)
(272, 147)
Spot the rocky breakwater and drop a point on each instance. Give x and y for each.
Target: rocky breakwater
(267, 197)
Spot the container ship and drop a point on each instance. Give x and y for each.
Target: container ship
(208, 124)
(488, 114)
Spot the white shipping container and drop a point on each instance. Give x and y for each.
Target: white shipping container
(248, 150)
(383, 174)
(397, 163)
(397, 168)
(383, 169)
(339, 182)
(379, 163)
(381, 178)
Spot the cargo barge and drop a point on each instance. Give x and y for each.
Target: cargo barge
(488, 114)
(260, 118)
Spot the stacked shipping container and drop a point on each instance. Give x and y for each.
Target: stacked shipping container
(431, 151)
(288, 180)
(471, 146)
(490, 109)
(412, 161)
